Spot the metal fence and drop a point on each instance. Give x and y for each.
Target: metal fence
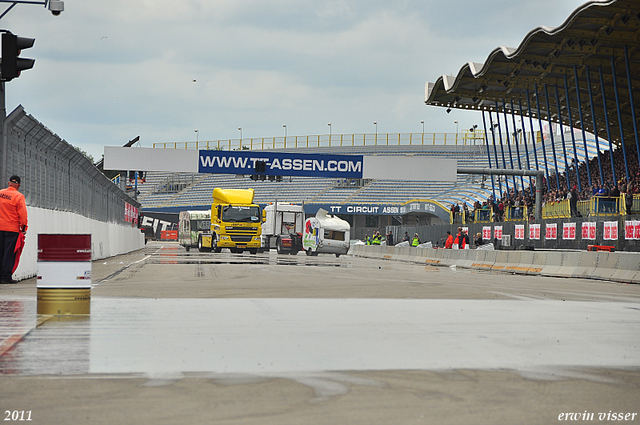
(55, 175)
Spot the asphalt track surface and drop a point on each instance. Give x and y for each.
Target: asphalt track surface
(178, 337)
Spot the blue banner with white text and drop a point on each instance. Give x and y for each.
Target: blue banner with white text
(281, 164)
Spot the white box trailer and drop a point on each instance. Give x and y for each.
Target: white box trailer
(326, 233)
(282, 227)
(192, 225)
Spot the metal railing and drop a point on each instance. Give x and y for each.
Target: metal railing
(467, 138)
(598, 206)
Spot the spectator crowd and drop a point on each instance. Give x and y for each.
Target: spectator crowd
(557, 190)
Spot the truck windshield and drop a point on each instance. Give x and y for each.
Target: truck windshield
(237, 214)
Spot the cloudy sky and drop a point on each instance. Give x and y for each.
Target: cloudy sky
(107, 71)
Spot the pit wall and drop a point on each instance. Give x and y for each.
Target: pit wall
(107, 239)
(438, 234)
(612, 266)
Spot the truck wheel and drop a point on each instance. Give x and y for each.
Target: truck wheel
(279, 246)
(214, 243)
(187, 247)
(202, 248)
(253, 251)
(309, 252)
(337, 255)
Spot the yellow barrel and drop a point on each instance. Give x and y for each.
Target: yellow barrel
(64, 301)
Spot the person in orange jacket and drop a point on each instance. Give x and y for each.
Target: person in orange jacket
(460, 239)
(13, 221)
(448, 244)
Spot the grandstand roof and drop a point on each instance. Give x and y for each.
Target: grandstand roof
(596, 37)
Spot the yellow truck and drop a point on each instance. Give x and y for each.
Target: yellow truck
(236, 222)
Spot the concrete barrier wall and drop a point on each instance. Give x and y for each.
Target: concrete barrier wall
(612, 266)
(107, 239)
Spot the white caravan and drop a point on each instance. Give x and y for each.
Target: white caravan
(326, 233)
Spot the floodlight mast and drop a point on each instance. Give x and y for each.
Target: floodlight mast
(55, 6)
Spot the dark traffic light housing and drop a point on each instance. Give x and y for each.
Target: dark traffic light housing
(260, 167)
(12, 64)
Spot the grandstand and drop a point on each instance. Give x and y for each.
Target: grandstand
(164, 191)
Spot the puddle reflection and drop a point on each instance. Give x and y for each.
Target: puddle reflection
(167, 336)
(35, 345)
(241, 260)
(17, 317)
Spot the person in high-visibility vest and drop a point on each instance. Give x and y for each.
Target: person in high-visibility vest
(460, 239)
(377, 238)
(416, 240)
(449, 242)
(13, 227)
(367, 240)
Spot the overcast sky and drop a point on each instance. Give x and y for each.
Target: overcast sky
(107, 71)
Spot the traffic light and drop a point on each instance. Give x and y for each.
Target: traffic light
(260, 167)
(12, 65)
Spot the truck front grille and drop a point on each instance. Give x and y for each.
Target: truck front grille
(241, 238)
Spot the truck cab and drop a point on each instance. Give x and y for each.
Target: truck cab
(236, 222)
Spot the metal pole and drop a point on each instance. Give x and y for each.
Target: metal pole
(595, 127)
(515, 132)
(486, 138)
(3, 116)
(584, 135)
(495, 151)
(606, 120)
(633, 110)
(553, 143)
(524, 139)
(564, 146)
(539, 175)
(506, 130)
(533, 134)
(7, 11)
(573, 137)
(504, 161)
(624, 149)
(544, 151)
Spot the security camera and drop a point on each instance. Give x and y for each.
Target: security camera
(56, 7)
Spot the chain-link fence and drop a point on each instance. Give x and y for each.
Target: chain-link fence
(55, 175)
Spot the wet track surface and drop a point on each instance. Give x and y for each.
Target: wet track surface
(280, 333)
(269, 328)
(159, 337)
